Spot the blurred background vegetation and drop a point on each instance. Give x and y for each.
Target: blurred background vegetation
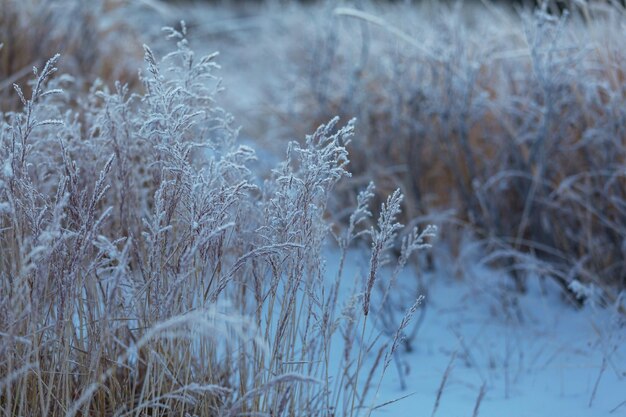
(504, 121)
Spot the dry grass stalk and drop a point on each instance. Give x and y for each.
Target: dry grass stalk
(144, 269)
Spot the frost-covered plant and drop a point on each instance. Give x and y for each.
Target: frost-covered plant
(146, 269)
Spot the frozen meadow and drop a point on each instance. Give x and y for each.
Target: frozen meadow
(353, 209)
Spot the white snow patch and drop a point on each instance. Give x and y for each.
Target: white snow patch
(534, 354)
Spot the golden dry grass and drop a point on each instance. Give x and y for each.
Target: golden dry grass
(94, 38)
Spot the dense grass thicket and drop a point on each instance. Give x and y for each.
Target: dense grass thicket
(514, 124)
(96, 38)
(145, 270)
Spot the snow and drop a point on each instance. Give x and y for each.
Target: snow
(535, 354)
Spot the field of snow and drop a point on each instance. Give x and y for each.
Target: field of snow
(483, 350)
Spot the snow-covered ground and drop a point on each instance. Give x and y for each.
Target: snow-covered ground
(531, 355)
